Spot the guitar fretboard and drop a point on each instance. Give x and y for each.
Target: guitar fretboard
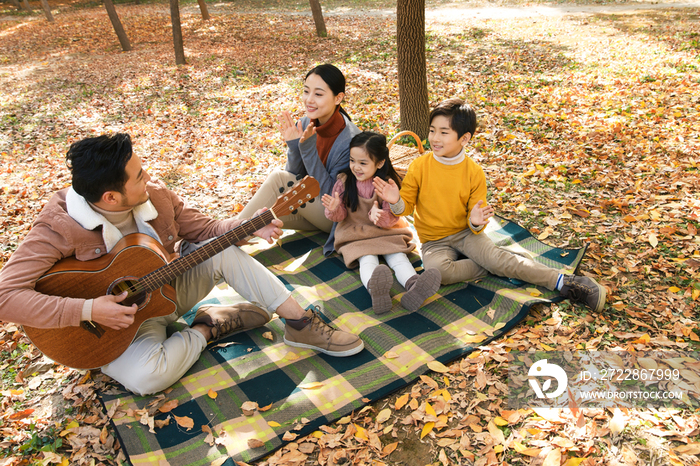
(174, 269)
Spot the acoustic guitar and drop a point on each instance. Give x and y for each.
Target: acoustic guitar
(139, 265)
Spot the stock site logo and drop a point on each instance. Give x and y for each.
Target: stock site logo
(543, 369)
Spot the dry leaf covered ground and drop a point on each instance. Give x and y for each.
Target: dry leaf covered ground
(589, 133)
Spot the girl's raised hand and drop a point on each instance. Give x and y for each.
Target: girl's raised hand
(331, 203)
(289, 130)
(481, 215)
(308, 132)
(388, 191)
(375, 213)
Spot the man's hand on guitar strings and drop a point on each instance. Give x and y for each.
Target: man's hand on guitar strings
(107, 311)
(271, 232)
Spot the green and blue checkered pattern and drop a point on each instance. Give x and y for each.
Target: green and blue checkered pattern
(301, 384)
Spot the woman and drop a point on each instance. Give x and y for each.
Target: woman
(318, 145)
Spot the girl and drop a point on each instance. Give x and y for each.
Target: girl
(366, 230)
(318, 145)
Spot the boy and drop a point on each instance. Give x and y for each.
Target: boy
(439, 185)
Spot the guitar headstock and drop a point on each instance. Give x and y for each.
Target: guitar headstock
(306, 189)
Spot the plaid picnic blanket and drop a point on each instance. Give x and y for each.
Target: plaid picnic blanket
(297, 387)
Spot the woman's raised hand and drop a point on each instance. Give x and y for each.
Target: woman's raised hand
(387, 191)
(289, 130)
(331, 203)
(308, 132)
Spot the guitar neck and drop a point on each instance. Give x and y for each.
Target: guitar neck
(174, 269)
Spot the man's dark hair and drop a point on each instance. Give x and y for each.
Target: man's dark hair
(461, 115)
(98, 165)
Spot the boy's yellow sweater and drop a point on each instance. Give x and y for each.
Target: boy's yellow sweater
(443, 195)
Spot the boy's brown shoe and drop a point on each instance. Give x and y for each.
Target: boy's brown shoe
(318, 335)
(227, 320)
(584, 290)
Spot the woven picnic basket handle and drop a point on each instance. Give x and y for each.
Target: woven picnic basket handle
(407, 133)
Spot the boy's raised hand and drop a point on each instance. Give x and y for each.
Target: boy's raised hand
(289, 130)
(376, 213)
(388, 191)
(331, 203)
(481, 215)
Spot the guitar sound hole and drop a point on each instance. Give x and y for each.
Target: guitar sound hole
(131, 285)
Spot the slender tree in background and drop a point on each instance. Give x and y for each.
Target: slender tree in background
(177, 33)
(413, 83)
(203, 8)
(47, 10)
(16, 4)
(117, 25)
(26, 6)
(318, 18)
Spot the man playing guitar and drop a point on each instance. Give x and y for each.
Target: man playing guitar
(111, 197)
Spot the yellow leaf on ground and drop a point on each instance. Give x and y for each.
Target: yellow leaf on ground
(695, 295)
(212, 394)
(391, 355)
(437, 366)
(274, 424)
(674, 289)
(574, 461)
(499, 421)
(553, 458)
(311, 385)
(496, 433)
(427, 428)
(653, 240)
(429, 410)
(473, 338)
(546, 348)
(361, 433)
(383, 415)
(401, 402)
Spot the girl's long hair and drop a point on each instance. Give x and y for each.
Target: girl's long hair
(375, 146)
(334, 78)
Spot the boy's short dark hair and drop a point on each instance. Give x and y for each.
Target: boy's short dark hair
(98, 164)
(462, 116)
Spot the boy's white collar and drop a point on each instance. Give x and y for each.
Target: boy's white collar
(452, 160)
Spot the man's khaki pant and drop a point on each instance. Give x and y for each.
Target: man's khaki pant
(154, 361)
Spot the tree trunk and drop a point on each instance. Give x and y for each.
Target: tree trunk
(17, 4)
(318, 18)
(204, 10)
(117, 25)
(177, 33)
(413, 83)
(26, 6)
(47, 10)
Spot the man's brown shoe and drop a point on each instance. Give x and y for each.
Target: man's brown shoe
(227, 320)
(318, 335)
(584, 290)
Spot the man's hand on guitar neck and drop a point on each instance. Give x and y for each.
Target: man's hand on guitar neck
(107, 311)
(271, 232)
